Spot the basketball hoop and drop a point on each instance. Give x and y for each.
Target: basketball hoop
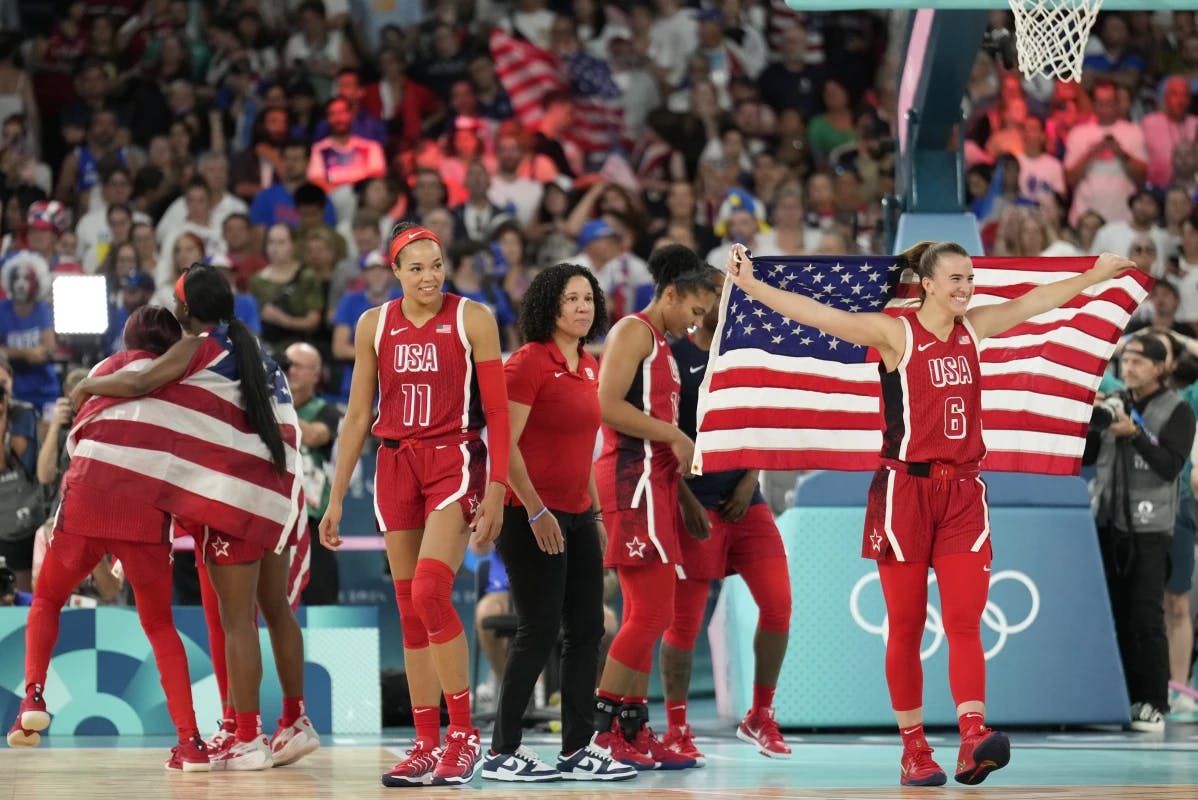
(1051, 35)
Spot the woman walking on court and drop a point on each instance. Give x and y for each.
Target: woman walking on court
(432, 357)
(552, 534)
(927, 502)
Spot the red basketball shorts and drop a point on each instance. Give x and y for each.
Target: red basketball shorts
(92, 522)
(648, 533)
(732, 544)
(412, 481)
(915, 519)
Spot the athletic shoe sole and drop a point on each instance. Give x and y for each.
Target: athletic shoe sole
(993, 753)
(289, 754)
(745, 737)
(507, 777)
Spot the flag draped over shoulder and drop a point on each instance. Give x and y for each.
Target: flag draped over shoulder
(530, 73)
(188, 449)
(779, 395)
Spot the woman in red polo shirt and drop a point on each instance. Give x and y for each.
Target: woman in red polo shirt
(550, 541)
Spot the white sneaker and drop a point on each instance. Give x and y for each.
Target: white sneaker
(1182, 705)
(522, 766)
(592, 763)
(1146, 718)
(246, 756)
(291, 743)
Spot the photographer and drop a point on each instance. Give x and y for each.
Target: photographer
(1143, 435)
(22, 500)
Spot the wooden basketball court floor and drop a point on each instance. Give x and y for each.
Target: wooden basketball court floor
(1044, 766)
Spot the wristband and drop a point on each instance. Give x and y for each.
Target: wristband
(544, 510)
(597, 516)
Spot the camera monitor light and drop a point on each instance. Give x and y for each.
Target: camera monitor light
(80, 305)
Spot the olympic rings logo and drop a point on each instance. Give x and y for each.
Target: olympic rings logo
(993, 617)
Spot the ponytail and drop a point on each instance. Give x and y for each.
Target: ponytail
(922, 259)
(256, 391)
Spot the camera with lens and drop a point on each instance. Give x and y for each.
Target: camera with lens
(1107, 411)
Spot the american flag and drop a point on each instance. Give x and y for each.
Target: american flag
(189, 450)
(780, 395)
(530, 73)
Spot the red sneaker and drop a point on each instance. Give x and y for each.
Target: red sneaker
(760, 728)
(664, 757)
(417, 769)
(462, 757)
(982, 752)
(918, 768)
(32, 719)
(613, 740)
(191, 756)
(681, 740)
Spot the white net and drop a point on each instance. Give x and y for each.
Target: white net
(1051, 35)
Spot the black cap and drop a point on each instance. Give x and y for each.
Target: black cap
(1150, 347)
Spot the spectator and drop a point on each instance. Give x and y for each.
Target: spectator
(317, 50)
(496, 600)
(741, 219)
(509, 248)
(791, 235)
(1186, 272)
(493, 102)
(27, 333)
(214, 175)
(119, 225)
(1165, 300)
(262, 165)
(276, 205)
(16, 88)
(290, 297)
(1118, 236)
(363, 124)
(318, 422)
(1105, 160)
(243, 257)
(477, 217)
(448, 63)
(407, 108)
(19, 429)
(834, 127)
(1070, 107)
(136, 289)
(342, 159)
(790, 82)
(199, 221)
(1178, 208)
(379, 288)
(518, 195)
(678, 224)
(1164, 129)
(120, 263)
(1113, 60)
(673, 37)
(365, 235)
(80, 172)
(1087, 228)
(45, 224)
(187, 249)
(1040, 173)
(471, 275)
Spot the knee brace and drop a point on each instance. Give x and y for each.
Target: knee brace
(432, 595)
(690, 600)
(415, 635)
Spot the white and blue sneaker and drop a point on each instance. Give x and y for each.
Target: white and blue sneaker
(592, 763)
(522, 766)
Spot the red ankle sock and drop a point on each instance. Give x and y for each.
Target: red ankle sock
(249, 726)
(428, 725)
(293, 709)
(970, 722)
(913, 737)
(763, 696)
(228, 718)
(675, 714)
(458, 705)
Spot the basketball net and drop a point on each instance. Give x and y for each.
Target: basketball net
(1051, 35)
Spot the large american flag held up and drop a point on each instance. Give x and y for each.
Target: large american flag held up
(530, 73)
(188, 449)
(779, 395)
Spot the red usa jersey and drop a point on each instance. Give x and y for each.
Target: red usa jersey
(932, 402)
(428, 388)
(625, 464)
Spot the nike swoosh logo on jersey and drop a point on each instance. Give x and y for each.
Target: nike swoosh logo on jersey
(986, 568)
(398, 330)
(925, 346)
(698, 368)
(558, 374)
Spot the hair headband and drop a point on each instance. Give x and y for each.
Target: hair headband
(405, 238)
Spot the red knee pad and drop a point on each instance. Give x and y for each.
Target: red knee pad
(648, 607)
(415, 635)
(769, 581)
(432, 595)
(690, 601)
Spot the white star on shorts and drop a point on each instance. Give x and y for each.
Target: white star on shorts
(876, 538)
(636, 547)
(220, 547)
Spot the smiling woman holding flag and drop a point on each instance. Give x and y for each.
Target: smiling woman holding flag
(927, 502)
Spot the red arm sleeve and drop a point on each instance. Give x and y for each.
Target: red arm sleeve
(493, 389)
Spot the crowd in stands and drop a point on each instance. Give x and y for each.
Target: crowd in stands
(282, 140)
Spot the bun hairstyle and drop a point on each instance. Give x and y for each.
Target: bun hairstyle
(152, 328)
(923, 258)
(678, 266)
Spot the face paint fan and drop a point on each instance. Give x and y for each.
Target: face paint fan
(1050, 35)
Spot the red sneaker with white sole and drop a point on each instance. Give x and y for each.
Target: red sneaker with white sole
(760, 728)
(32, 719)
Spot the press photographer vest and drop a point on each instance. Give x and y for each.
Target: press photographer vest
(1124, 478)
